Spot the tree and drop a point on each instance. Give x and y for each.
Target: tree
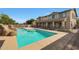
(11, 21)
(34, 23)
(30, 21)
(5, 19)
(17, 23)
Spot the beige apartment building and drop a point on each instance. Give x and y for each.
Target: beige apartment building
(64, 20)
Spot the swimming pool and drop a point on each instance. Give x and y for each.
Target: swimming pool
(26, 37)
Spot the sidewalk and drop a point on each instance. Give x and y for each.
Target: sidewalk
(73, 43)
(68, 42)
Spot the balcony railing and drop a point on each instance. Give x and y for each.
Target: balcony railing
(49, 20)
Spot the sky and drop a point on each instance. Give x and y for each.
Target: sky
(21, 15)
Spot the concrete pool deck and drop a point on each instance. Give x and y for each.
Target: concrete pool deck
(10, 42)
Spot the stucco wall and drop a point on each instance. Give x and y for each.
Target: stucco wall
(72, 20)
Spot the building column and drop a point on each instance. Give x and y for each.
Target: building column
(41, 24)
(63, 25)
(46, 25)
(53, 24)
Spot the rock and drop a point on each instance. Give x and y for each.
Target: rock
(5, 31)
(13, 33)
(1, 30)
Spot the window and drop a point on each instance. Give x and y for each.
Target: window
(60, 15)
(53, 16)
(56, 16)
(64, 14)
(50, 17)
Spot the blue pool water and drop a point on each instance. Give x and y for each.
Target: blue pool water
(26, 37)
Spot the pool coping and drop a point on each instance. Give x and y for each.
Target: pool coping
(34, 46)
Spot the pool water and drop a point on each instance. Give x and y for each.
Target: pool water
(25, 37)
